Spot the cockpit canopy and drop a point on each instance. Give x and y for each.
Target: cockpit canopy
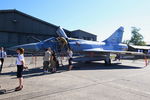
(52, 39)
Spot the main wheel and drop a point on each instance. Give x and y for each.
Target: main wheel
(87, 62)
(108, 61)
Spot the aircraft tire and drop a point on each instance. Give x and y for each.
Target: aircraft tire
(107, 62)
(87, 62)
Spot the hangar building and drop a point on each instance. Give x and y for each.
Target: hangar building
(19, 28)
(80, 34)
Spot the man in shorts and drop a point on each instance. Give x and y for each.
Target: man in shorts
(46, 60)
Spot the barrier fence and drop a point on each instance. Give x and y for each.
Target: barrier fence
(31, 61)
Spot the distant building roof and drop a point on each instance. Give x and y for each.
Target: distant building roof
(83, 32)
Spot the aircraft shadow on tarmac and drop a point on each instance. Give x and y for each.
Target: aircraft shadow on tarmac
(34, 72)
(100, 66)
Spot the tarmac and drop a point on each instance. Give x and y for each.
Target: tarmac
(125, 80)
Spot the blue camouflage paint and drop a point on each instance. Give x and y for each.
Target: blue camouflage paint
(111, 43)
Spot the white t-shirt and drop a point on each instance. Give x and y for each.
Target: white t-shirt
(70, 53)
(47, 56)
(3, 54)
(19, 59)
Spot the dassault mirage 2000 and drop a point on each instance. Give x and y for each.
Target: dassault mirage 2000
(86, 50)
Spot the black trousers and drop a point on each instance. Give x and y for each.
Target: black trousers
(19, 71)
(2, 62)
(70, 61)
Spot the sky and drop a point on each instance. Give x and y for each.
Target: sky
(100, 17)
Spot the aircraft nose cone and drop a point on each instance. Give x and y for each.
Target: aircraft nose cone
(27, 47)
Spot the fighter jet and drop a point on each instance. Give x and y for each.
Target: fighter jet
(85, 50)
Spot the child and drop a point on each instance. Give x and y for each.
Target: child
(54, 62)
(20, 62)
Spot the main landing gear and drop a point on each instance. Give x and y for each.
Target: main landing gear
(107, 61)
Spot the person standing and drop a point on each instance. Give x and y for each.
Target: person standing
(20, 62)
(70, 55)
(54, 62)
(2, 56)
(46, 60)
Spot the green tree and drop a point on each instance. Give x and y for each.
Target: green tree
(136, 38)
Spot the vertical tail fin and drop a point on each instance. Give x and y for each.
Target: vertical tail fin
(116, 37)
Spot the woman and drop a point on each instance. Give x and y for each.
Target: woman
(20, 62)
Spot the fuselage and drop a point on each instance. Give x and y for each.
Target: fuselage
(77, 45)
(91, 50)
